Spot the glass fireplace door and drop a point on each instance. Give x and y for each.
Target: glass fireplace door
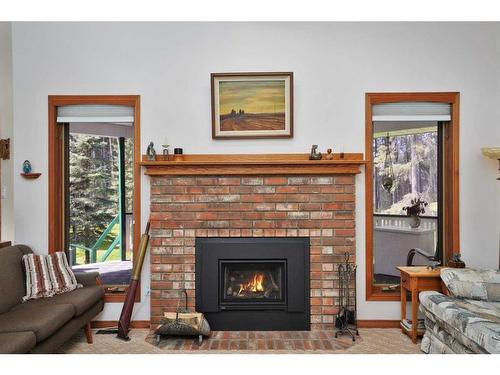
(252, 281)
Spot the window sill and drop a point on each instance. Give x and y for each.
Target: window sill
(378, 295)
(120, 296)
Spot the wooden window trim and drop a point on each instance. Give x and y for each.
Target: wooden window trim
(56, 189)
(451, 235)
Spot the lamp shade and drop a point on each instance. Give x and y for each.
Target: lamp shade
(491, 152)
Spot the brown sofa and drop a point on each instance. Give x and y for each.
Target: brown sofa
(42, 325)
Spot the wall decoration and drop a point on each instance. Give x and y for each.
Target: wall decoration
(27, 168)
(5, 149)
(252, 105)
(28, 171)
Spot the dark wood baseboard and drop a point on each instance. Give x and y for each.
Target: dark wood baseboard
(146, 324)
(378, 324)
(114, 323)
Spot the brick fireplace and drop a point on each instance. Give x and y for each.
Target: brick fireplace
(279, 202)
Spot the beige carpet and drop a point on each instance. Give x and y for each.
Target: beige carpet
(372, 341)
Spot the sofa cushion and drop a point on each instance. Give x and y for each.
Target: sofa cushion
(12, 287)
(467, 283)
(81, 300)
(476, 324)
(42, 320)
(52, 344)
(17, 342)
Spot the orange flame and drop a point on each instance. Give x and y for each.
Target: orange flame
(255, 285)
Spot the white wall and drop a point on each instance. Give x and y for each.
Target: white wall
(334, 64)
(6, 128)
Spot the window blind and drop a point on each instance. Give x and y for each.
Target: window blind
(411, 111)
(95, 113)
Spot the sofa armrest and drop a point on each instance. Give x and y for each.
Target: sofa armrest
(87, 278)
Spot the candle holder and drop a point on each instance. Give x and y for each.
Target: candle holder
(178, 154)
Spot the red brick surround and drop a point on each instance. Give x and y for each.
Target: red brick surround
(183, 208)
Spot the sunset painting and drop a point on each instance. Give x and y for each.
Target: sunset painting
(251, 106)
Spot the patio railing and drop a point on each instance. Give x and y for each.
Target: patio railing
(91, 253)
(400, 221)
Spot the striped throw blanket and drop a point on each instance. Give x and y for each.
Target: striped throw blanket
(48, 275)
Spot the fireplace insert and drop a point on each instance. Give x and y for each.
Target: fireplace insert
(253, 283)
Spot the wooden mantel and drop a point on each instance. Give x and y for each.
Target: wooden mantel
(253, 164)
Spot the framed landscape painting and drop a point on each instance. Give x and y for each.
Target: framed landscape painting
(252, 105)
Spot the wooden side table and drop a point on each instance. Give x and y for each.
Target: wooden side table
(415, 280)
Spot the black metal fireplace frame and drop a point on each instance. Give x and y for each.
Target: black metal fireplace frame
(291, 314)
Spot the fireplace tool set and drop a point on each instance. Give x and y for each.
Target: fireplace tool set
(345, 321)
(182, 323)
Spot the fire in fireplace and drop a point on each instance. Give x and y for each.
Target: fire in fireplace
(252, 281)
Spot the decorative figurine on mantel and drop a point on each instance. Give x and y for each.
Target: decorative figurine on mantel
(329, 154)
(150, 152)
(166, 151)
(315, 155)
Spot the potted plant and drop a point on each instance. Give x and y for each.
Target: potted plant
(414, 210)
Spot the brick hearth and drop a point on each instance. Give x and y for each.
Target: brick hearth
(183, 208)
(258, 342)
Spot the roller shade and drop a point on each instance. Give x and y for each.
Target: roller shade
(95, 113)
(105, 129)
(411, 111)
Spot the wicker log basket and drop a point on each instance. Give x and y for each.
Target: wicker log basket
(182, 323)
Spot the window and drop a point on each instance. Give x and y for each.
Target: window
(412, 152)
(92, 110)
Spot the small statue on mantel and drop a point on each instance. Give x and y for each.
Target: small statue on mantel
(315, 155)
(150, 152)
(329, 154)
